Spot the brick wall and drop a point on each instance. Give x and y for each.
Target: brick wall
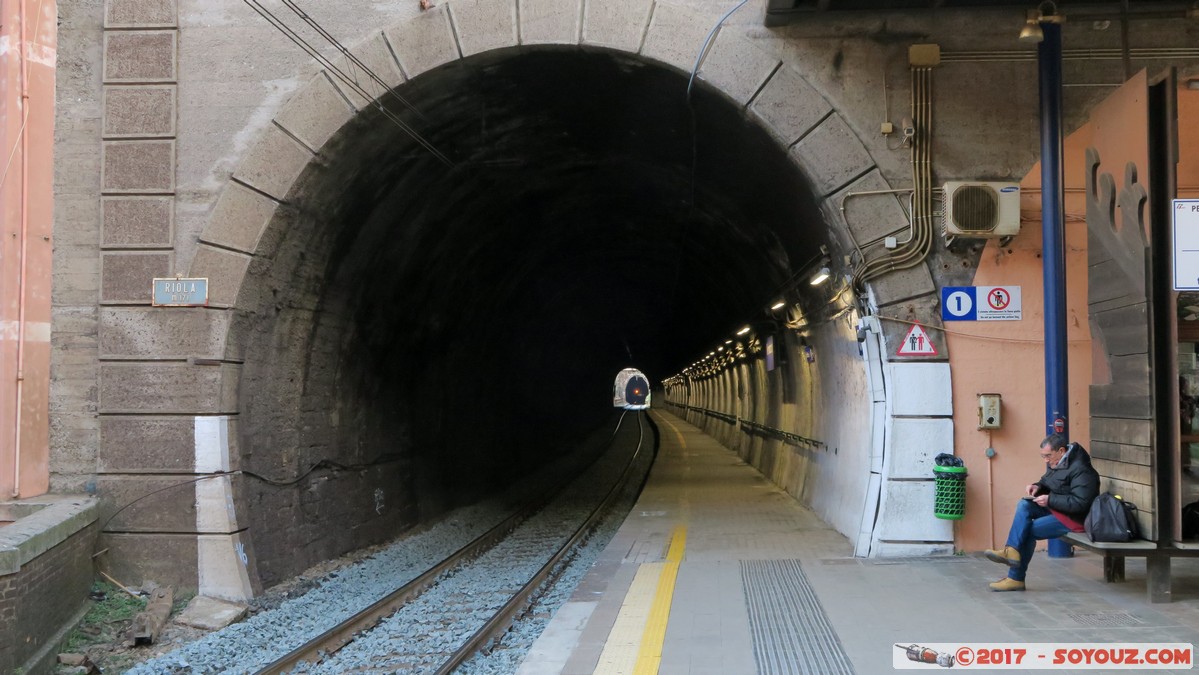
(38, 600)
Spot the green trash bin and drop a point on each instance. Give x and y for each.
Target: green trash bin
(950, 501)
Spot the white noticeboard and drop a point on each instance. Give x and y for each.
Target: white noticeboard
(1186, 244)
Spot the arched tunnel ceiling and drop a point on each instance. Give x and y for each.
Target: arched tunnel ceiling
(587, 195)
(593, 220)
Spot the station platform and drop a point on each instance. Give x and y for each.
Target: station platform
(718, 571)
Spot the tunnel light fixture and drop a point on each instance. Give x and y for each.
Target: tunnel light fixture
(1046, 12)
(1031, 32)
(778, 305)
(821, 276)
(743, 331)
(720, 348)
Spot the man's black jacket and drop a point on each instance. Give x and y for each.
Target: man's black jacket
(1073, 485)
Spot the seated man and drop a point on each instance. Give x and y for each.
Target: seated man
(1055, 505)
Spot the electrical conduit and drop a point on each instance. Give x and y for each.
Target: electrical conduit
(917, 248)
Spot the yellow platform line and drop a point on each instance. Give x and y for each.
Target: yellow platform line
(635, 642)
(620, 650)
(679, 435)
(678, 544)
(649, 657)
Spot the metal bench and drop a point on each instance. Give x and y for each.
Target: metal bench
(1157, 560)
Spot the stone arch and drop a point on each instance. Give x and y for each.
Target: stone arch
(817, 137)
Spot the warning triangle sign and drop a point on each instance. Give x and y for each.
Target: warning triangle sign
(916, 343)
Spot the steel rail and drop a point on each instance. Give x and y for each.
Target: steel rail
(342, 634)
(505, 616)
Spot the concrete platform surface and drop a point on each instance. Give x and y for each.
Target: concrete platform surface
(718, 571)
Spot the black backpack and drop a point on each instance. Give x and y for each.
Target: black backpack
(1112, 519)
(1190, 521)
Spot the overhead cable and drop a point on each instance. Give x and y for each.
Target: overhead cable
(349, 81)
(351, 57)
(707, 41)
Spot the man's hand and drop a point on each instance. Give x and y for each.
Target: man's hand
(1043, 500)
(1031, 490)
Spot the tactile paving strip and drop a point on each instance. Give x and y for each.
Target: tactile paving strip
(909, 560)
(791, 633)
(1106, 619)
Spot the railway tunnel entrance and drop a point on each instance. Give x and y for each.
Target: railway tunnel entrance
(442, 308)
(414, 307)
(388, 333)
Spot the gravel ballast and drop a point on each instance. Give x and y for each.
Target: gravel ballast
(424, 632)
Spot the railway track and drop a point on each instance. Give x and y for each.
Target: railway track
(463, 604)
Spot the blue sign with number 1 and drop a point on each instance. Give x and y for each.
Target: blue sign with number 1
(958, 304)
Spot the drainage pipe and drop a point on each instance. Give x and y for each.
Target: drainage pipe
(23, 55)
(1053, 256)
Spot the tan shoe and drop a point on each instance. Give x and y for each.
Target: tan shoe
(1008, 556)
(1007, 584)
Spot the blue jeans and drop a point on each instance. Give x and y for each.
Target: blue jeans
(1031, 523)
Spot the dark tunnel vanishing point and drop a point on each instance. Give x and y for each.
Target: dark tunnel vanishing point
(450, 327)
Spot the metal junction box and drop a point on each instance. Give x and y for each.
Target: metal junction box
(989, 411)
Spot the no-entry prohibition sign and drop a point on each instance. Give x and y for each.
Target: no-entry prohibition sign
(981, 303)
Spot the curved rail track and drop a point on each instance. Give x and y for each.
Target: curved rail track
(409, 655)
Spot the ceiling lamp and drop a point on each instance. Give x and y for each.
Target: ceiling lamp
(1032, 27)
(1045, 13)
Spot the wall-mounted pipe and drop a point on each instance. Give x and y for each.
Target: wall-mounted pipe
(23, 66)
(917, 248)
(864, 193)
(1049, 69)
(1110, 54)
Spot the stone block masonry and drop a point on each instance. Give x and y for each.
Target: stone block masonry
(143, 353)
(138, 148)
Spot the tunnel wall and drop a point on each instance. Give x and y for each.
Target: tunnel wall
(838, 428)
(142, 399)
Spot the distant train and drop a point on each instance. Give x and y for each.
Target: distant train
(631, 390)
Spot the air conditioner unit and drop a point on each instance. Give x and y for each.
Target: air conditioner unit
(981, 210)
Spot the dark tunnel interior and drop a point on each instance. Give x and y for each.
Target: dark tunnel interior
(452, 326)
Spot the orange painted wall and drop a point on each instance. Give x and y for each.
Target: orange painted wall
(1188, 143)
(27, 137)
(1008, 357)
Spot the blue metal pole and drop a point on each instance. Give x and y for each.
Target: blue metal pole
(1049, 68)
